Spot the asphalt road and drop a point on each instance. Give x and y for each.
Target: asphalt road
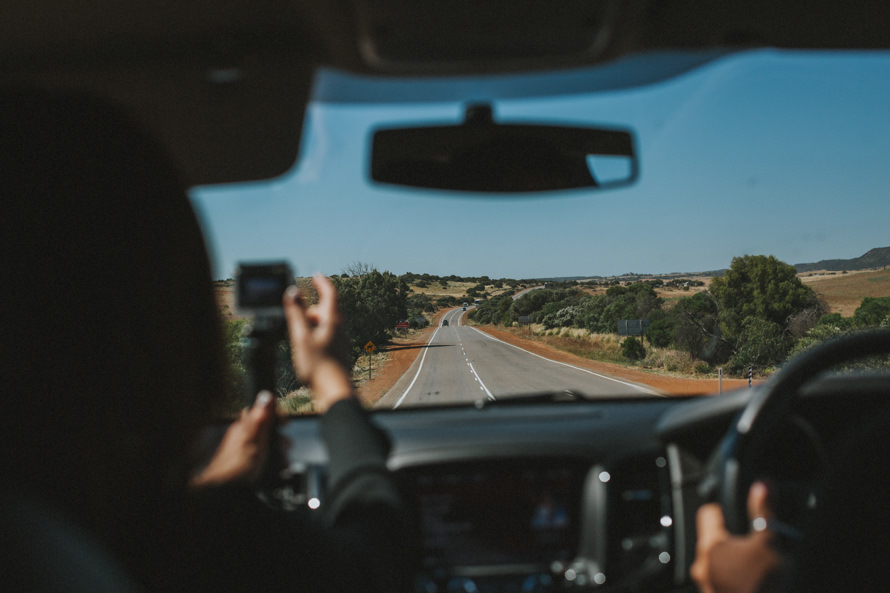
(463, 364)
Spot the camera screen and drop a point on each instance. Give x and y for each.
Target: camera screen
(263, 291)
(261, 286)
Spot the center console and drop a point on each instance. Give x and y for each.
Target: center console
(533, 524)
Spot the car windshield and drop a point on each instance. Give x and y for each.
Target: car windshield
(757, 225)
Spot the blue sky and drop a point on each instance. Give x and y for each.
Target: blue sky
(762, 152)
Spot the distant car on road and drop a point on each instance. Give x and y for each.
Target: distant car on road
(444, 323)
(463, 308)
(466, 305)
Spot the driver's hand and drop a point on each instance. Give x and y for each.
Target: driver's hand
(242, 453)
(728, 563)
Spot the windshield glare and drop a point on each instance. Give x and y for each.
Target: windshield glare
(755, 229)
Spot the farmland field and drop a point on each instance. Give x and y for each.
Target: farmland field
(844, 292)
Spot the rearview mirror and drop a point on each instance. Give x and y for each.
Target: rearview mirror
(483, 156)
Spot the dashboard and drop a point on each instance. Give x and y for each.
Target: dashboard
(529, 497)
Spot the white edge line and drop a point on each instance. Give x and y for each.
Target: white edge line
(643, 389)
(422, 358)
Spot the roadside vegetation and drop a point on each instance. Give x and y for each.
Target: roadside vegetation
(750, 319)
(752, 316)
(373, 303)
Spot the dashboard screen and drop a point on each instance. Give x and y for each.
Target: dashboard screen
(499, 513)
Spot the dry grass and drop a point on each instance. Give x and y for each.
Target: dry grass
(225, 302)
(296, 402)
(224, 291)
(435, 289)
(670, 294)
(588, 347)
(455, 289)
(607, 348)
(580, 342)
(671, 361)
(844, 292)
(300, 401)
(360, 370)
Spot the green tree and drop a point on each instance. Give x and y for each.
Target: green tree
(505, 309)
(371, 304)
(759, 286)
(496, 310)
(696, 329)
(420, 302)
(534, 301)
(761, 344)
(446, 301)
(601, 313)
(590, 314)
(660, 332)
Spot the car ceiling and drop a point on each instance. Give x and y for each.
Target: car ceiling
(224, 84)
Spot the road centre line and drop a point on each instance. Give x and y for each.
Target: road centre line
(643, 389)
(473, 370)
(482, 385)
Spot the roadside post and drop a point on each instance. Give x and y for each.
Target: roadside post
(369, 348)
(719, 380)
(750, 375)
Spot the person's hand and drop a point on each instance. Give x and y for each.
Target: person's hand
(726, 563)
(244, 448)
(314, 332)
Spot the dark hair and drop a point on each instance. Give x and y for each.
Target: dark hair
(111, 351)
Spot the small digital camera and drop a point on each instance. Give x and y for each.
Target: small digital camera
(261, 286)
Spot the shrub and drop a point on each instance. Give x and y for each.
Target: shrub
(702, 368)
(872, 312)
(837, 321)
(633, 349)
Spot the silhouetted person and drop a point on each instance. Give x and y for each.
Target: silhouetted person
(112, 362)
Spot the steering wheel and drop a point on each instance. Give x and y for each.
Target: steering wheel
(771, 405)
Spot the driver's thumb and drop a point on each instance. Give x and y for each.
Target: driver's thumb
(758, 501)
(262, 414)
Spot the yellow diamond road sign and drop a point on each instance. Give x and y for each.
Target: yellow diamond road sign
(370, 347)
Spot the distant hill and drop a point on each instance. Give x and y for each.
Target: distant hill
(878, 257)
(633, 277)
